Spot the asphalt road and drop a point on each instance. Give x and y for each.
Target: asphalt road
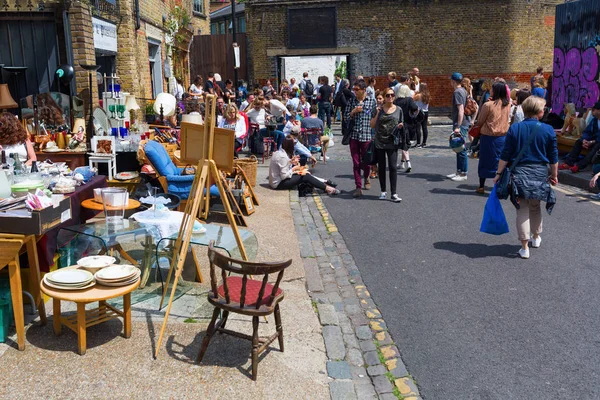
(471, 319)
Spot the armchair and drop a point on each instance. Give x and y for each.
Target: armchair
(169, 175)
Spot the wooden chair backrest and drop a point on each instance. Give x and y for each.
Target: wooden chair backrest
(244, 268)
(9, 248)
(312, 136)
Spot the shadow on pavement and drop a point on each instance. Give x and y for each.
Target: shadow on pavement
(427, 177)
(479, 250)
(464, 190)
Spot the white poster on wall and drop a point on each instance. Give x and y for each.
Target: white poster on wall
(105, 35)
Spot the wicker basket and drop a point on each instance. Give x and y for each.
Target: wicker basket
(249, 166)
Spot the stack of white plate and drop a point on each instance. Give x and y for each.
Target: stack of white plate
(69, 279)
(118, 275)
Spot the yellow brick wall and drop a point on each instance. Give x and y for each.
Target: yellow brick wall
(475, 36)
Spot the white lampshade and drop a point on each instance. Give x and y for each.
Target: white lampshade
(130, 103)
(168, 103)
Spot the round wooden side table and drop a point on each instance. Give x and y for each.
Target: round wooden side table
(84, 319)
(92, 204)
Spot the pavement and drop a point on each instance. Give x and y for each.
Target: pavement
(119, 368)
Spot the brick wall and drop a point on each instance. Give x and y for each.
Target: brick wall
(479, 38)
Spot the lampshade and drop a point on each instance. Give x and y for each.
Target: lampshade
(6, 100)
(168, 102)
(130, 103)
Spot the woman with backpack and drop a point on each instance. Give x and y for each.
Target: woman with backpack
(408, 106)
(387, 122)
(493, 119)
(422, 99)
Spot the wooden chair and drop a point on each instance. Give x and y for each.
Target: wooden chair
(245, 296)
(312, 139)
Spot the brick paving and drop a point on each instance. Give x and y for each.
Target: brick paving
(363, 360)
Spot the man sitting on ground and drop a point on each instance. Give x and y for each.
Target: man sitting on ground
(589, 140)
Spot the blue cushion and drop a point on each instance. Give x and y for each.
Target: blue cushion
(214, 191)
(160, 159)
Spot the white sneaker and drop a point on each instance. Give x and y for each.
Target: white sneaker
(396, 198)
(451, 176)
(383, 196)
(459, 178)
(327, 158)
(535, 243)
(524, 253)
(595, 196)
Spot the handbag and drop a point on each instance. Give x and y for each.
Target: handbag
(347, 131)
(370, 157)
(475, 131)
(503, 184)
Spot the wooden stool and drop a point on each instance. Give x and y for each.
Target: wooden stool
(10, 245)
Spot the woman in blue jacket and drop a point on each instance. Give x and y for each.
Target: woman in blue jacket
(537, 169)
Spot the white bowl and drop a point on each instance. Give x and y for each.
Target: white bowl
(94, 264)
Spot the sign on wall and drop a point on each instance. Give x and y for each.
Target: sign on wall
(575, 72)
(105, 35)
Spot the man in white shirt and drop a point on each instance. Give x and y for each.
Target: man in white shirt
(247, 103)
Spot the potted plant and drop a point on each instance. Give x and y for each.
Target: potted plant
(150, 117)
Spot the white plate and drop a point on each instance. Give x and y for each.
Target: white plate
(70, 276)
(53, 150)
(54, 286)
(116, 272)
(96, 261)
(69, 284)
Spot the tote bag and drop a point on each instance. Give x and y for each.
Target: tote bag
(494, 220)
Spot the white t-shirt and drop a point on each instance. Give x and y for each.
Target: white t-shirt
(257, 117)
(20, 149)
(294, 102)
(195, 90)
(240, 125)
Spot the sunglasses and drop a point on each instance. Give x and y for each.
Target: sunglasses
(390, 95)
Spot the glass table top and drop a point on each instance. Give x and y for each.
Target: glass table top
(224, 239)
(110, 232)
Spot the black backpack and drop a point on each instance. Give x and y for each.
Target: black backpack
(309, 88)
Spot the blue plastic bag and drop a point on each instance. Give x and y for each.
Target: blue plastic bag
(494, 220)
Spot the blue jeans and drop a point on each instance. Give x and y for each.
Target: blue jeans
(325, 112)
(276, 134)
(462, 160)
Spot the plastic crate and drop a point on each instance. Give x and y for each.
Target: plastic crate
(6, 311)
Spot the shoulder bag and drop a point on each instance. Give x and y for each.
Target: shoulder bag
(503, 185)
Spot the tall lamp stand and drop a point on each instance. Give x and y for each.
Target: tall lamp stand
(90, 125)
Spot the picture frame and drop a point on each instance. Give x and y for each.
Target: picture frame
(223, 150)
(248, 204)
(194, 143)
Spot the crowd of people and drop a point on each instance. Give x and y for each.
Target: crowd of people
(378, 124)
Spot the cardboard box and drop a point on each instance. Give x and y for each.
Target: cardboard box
(36, 222)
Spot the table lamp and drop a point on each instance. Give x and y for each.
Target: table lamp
(6, 100)
(131, 105)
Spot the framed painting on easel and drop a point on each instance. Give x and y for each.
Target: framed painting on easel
(194, 143)
(223, 149)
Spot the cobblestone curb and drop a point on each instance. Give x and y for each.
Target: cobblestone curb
(364, 362)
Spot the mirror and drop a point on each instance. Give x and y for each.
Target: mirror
(54, 108)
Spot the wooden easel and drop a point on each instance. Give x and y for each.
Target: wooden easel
(198, 198)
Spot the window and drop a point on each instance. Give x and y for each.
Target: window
(222, 27)
(312, 27)
(199, 6)
(213, 29)
(241, 24)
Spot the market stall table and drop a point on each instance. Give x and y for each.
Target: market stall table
(92, 204)
(83, 319)
(47, 244)
(73, 159)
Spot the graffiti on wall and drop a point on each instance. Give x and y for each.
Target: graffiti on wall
(575, 78)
